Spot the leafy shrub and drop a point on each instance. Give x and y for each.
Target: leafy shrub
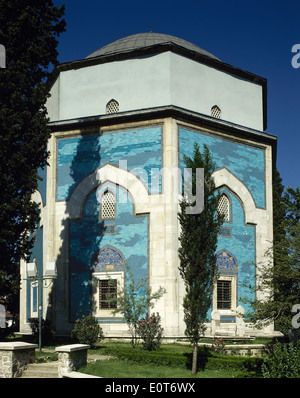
(282, 362)
(151, 357)
(46, 330)
(87, 331)
(234, 363)
(206, 359)
(150, 331)
(219, 346)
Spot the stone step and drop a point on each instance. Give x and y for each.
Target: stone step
(41, 370)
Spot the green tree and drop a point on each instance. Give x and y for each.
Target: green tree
(198, 243)
(133, 301)
(29, 31)
(280, 275)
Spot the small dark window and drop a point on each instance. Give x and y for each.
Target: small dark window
(224, 294)
(108, 206)
(224, 207)
(107, 292)
(112, 107)
(216, 112)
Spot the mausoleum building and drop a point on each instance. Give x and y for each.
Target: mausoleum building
(121, 121)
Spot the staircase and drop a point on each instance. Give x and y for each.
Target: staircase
(46, 370)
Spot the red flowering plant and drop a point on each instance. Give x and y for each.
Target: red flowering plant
(150, 331)
(219, 346)
(87, 331)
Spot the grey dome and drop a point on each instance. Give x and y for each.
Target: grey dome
(142, 40)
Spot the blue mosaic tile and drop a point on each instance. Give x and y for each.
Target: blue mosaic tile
(131, 240)
(80, 156)
(245, 162)
(242, 247)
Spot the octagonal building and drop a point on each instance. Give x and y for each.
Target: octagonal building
(121, 120)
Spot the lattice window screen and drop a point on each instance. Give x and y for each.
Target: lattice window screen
(107, 291)
(108, 205)
(112, 107)
(216, 112)
(224, 207)
(224, 294)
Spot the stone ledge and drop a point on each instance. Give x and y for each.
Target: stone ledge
(16, 345)
(72, 347)
(79, 375)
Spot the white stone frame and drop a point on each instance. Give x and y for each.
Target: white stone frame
(96, 276)
(34, 284)
(233, 280)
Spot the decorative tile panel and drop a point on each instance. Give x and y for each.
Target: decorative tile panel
(108, 258)
(79, 156)
(226, 262)
(92, 251)
(225, 232)
(246, 162)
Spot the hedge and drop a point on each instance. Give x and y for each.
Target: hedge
(206, 359)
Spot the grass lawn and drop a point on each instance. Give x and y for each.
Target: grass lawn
(135, 363)
(118, 368)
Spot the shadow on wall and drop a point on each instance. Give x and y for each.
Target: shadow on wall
(80, 238)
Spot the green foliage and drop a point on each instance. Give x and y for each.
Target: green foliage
(282, 362)
(182, 358)
(150, 331)
(134, 300)
(87, 331)
(46, 330)
(29, 31)
(280, 275)
(198, 244)
(219, 346)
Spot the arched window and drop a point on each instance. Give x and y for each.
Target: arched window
(216, 112)
(108, 206)
(112, 106)
(224, 207)
(225, 290)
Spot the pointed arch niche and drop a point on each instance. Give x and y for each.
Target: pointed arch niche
(108, 276)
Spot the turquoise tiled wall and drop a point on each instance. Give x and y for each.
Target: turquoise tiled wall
(131, 239)
(242, 246)
(79, 156)
(245, 162)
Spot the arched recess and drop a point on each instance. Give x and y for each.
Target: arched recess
(114, 175)
(223, 177)
(226, 262)
(108, 258)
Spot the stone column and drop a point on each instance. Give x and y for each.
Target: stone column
(240, 321)
(215, 321)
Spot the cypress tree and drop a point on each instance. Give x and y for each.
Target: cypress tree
(198, 243)
(28, 31)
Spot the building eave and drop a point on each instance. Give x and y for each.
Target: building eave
(164, 47)
(161, 112)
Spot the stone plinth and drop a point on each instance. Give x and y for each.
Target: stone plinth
(14, 357)
(71, 358)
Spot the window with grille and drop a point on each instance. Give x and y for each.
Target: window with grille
(224, 294)
(224, 207)
(108, 206)
(107, 292)
(216, 112)
(112, 106)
